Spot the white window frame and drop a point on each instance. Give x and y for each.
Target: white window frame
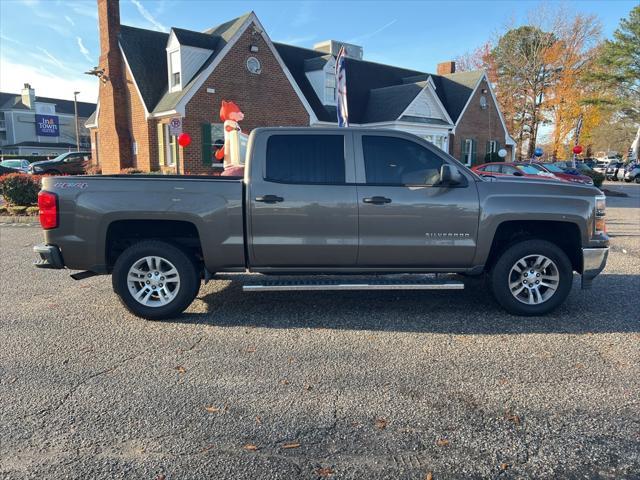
(468, 151)
(169, 147)
(330, 88)
(173, 69)
(493, 146)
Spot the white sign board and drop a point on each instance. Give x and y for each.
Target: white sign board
(175, 126)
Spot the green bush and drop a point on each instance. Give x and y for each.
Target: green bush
(3, 210)
(33, 210)
(597, 177)
(17, 210)
(20, 188)
(130, 171)
(94, 170)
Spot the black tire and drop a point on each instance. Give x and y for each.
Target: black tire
(500, 277)
(188, 286)
(637, 179)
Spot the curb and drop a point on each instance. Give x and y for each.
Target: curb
(22, 219)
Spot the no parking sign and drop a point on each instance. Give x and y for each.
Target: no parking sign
(175, 126)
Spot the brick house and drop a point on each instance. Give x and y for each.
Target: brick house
(149, 77)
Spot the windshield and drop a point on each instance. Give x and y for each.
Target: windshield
(531, 170)
(554, 168)
(11, 163)
(583, 167)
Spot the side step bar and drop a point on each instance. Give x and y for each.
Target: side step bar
(314, 285)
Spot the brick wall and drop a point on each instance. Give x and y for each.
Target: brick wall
(267, 99)
(479, 125)
(143, 131)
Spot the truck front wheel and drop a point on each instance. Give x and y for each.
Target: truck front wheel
(532, 277)
(155, 280)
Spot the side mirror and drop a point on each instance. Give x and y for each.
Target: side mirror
(450, 175)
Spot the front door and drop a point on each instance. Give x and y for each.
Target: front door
(406, 220)
(304, 210)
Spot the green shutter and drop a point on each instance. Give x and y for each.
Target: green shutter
(497, 146)
(206, 144)
(161, 144)
(462, 152)
(488, 148)
(473, 152)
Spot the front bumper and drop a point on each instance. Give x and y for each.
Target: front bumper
(593, 262)
(50, 256)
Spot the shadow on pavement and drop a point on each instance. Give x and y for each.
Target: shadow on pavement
(604, 308)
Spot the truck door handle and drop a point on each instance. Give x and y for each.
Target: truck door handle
(377, 200)
(269, 199)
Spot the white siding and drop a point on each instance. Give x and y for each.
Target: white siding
(425, 105)
(316, 79)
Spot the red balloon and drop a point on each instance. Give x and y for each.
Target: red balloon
(184, 139)
(577, 149)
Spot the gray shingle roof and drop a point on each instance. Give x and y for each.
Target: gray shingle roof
(377, 92)
(14, 101)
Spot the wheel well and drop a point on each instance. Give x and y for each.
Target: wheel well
(123, 233)
(565, 235)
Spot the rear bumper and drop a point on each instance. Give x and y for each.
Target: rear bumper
(593, 262)
(50, 256)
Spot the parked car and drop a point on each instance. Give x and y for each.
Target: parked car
(589, 162)
(500, 169)
(320, 201)
(71, 163)
(615, 171)
(601, 165)
(632, 173)
(18, 164)
(567, 172)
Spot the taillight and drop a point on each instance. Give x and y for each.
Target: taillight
(600, 212)
(48, 205)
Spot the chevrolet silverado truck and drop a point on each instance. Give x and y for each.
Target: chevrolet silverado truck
(344, 209)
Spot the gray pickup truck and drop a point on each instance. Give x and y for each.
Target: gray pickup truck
(333, 204)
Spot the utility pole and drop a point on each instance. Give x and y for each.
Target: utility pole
(75, 108)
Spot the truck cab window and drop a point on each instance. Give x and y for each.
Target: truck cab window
(396, 161)
(315, 159)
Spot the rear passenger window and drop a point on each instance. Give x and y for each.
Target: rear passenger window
(305, 159)
(396, 161)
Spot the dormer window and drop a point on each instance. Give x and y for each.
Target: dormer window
(330, 88)
(174, 70)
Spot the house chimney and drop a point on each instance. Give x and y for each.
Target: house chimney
(114, 139)
(29, 96)
(445, 68)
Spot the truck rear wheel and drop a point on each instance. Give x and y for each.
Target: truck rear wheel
(155, 280)
(532, 277)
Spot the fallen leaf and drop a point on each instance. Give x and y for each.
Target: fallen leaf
(12, 380)
(381, 423)
(504, 466)
(250, 447)
(579, 365)
(212, 409)
(291, 445)
(180, 369)
(161, 477)
(428, 476)
(512, 418)
(290, 360)
(284, 381)
(307, 386)
(250, 349)
(207, 448)
(503, 381)
(442, 442)
(258, 420)
(324, 471)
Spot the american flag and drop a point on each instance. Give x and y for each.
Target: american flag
(341, 89)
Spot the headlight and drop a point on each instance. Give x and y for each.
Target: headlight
(37, 169)
(600, 211)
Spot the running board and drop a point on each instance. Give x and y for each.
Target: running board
(310, 285)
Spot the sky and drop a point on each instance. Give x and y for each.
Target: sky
(50, 43)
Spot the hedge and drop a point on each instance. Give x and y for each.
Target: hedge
(20, 189)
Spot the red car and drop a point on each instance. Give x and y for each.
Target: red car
(575, 176)
(503, 169)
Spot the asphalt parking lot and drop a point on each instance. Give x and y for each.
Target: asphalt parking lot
(347, 385)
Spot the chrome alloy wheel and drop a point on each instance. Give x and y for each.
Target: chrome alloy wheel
(534, 279)
(153, 281)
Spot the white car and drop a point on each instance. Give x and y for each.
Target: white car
(19, 164)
